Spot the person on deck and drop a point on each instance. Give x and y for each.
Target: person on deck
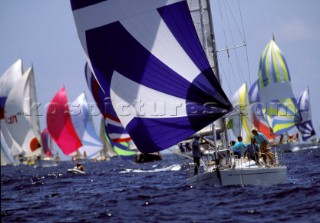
(263, 142)
(252, 151)
(239, 147)
(182, 149)
(196, 153)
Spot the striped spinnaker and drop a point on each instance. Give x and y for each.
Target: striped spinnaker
(161, 84)
(305, 127)
(280, 105)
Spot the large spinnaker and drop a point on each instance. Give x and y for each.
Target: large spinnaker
(276, 94)
(305, 127)
(60, 125)
(149, 57)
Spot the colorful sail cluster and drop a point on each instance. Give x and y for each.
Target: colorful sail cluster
(257, 113)
(114, 133)
(305, 127)
(148, 58)
(72, 128)
(280, 105)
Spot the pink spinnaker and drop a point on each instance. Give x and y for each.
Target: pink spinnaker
(60, 125)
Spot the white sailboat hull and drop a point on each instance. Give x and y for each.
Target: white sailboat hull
(258, 176)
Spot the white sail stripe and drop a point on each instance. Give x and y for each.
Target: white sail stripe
(119, 136)
(161, 43)
(110, 11)
(109, 121)
(125, 101)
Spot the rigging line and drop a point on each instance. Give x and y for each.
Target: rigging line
(232, 38)
(225, 77)
(245, 40)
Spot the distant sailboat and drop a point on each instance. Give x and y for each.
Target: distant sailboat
(275, 90)
(21, 119)
(7, 82)
(305, 127)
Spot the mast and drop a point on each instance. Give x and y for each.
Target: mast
(202, 18)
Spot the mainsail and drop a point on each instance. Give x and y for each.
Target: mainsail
(305, 127)
(280, 105)
(257, 113)
(148, 56)
(242, 123)
(60, 125)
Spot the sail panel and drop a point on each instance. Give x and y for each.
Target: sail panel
(127, 59)
(241, 104)
(60, 125)
(46, 142)
(257, 112)
(280, 105)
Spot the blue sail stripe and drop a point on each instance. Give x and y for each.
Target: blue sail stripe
(79, 4)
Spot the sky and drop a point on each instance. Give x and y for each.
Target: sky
(43, 34)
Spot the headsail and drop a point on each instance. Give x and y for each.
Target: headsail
(275, 90)
(60, 125)
(148, 56)
(257, 113)
(305, 127)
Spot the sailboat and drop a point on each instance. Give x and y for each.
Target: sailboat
(274, 83)
(148, 56)
(7, 81)
(305, 127)
(22, 119)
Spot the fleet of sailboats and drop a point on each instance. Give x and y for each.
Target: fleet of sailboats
(155, 86)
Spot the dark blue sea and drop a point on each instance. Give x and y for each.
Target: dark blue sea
(120, 191)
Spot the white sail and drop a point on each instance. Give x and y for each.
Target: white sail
(18, 119)
(82, 121)
(7, 81)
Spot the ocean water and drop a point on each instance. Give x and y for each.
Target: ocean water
(119, 191)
